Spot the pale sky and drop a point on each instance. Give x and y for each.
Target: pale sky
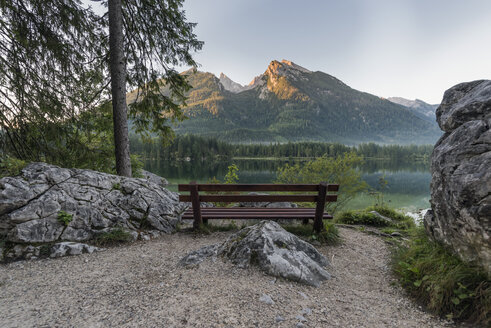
(406, 48)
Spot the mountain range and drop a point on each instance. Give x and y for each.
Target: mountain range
(419, 107)
(291, 103)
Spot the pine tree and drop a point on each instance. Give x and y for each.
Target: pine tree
(55, 64)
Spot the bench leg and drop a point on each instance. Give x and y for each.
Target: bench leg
(319, 210)
(198, 221)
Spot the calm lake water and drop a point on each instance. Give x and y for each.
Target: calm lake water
(408, 184)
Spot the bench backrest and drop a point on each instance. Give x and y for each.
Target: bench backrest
(195, 188)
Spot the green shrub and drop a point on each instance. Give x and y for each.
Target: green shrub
(65, 218)
(136, 166)
(341, 170)
(329, 236)
(113, 237)
(442, 282)
(399, 221)
(11, 166)
(360, 217)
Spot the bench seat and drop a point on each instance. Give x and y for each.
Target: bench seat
(254, 213)
(232, 195)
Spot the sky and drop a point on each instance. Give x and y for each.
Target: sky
(404, 48)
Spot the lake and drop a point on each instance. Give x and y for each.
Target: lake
(408, 184)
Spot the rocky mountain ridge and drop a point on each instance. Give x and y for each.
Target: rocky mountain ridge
(291, 103)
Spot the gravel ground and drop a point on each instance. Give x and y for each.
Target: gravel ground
(140, 285)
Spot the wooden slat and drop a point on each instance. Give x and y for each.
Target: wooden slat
(253, 216)
(257, 187)
(257, 198)
(251, 210)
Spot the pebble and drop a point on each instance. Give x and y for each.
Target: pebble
(279, 318)
(303, 295)
(301, 318)
(307, 311)
(265, 298)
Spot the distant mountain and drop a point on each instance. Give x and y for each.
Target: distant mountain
(419, 107)
(291, 103)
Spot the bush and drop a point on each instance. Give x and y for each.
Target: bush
(11, 166)
(329, 236)
(442, 282)
(113, 237)
(340, 170)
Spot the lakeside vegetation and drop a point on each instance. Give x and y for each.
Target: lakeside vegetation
(434, 276)
(201, 148)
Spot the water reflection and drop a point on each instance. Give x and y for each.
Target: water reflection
(407, 183)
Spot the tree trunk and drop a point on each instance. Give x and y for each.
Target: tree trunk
(118, 88)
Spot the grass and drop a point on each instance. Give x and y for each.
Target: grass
(113, 237)
(65, 218)
(442, 282)
(364, 217)
(11, 166)
(329, 236)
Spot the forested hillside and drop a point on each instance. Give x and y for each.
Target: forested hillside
(200, 148)
(291, 103)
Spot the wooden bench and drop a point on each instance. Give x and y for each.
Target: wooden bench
(201, 215)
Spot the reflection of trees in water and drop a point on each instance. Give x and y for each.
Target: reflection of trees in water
(405, 178)
(401, 182)
(372, 166)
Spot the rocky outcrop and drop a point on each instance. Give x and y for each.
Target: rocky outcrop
(47, 204)
(30, 252)
(461, 173)
(151, 177)
(272, 249)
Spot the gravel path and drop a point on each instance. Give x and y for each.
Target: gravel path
(141, 286)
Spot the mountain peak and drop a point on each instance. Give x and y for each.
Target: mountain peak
(285, 68)
(230, 85)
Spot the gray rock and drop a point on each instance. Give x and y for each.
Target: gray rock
(396, 234)
(299, 325)
(463, 103)
(279, 318)
(265, 298)
(387, 220)
(70, 248)
(31, 203)
(154, 178)
(461, 176)
(271, 248)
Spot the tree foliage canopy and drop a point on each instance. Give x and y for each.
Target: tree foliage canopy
(54, 77)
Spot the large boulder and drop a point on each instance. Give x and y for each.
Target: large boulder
(46, 203)
(460, 214)
(272, 249)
